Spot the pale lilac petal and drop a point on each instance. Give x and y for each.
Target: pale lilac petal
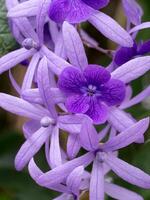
(111, 29)
(128, 172)
(119, 119)
(132, 69)
(59, 173)
(28, 79)
(137, 99)
(26, 28)
(55, 152)
(56, 64)
(88, 135)
(74, 180)
(120, 193)
(133, 11)
(127, 137)
(41, 18)
(54, 31)
(35, 173)
(44, 86)
(12, 59)
(113, 133)
(14, 83)
(142, 26)
(74, 47)
(97, 181)
(25, 9)
(30, 127)
(31, 147)
(32, 96)
(71, 123)
(20, 107)
(60, 47)
(73, 145)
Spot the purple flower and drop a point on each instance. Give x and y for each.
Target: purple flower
(74, 11)
(91, 92)
(124, 54)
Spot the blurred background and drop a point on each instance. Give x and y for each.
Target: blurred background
(18, 185)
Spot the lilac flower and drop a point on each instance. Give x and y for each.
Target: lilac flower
(88, 91)
(44, 121)
(105, 24)
(103, 156)
(125, 54)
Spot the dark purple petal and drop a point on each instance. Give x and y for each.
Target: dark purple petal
(97, 111)
(113, 92)
(77, 104)
(96, 4)
(74, 11)
(124, 54)
(144, 48)
(96, 75)
(71, 80)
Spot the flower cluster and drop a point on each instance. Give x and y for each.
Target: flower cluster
(61, 91)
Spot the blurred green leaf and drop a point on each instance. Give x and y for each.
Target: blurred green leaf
(7, 43)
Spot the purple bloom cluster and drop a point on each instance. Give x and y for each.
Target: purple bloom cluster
(61, 91)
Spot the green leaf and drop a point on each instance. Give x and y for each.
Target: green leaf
(7, 43)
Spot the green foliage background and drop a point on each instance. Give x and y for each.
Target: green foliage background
(18, 185)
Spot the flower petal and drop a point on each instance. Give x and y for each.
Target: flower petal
(111, 29)
(74, 47)
(30, 127)
(97, 181)
(55, 152)
(27, 82)
(11, 59)
(96, 75)
(144, 48)
(56, 64)
(77, 104)
(71, 81)
(24, 9)
(98, 112)
(137, 99)
(127, 137)
(113, 92)
(119, 119)
(132, 69)
(120, 193)
(124, 54)
(73, 145)
(20, 107)
(88, 135)
(31, 147)
(59, 173)
(44, 85)
(128, 172)
(74, 180)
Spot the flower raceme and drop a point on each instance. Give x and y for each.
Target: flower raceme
(70, 95)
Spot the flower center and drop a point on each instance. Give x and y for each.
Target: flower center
(29, 43)
(91, 90)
